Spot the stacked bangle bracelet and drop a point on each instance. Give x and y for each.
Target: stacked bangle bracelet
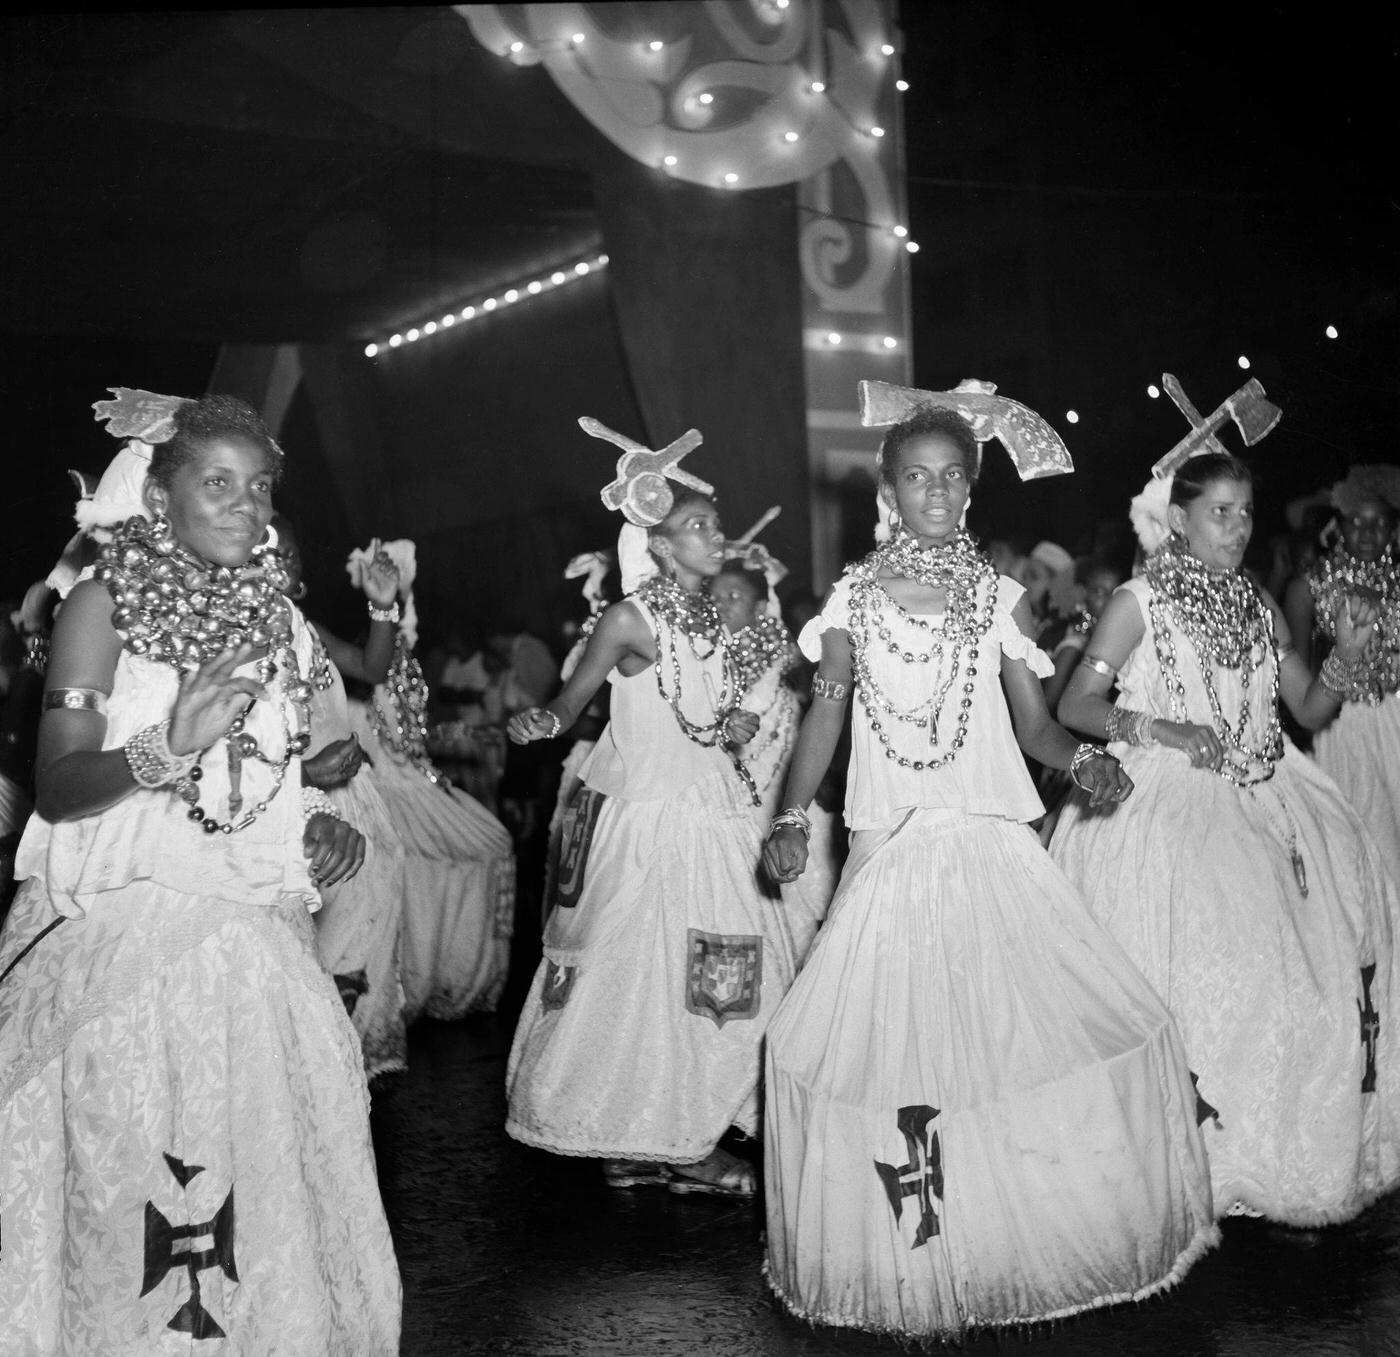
(794, 817)
(389, 614)
(315, 802)
(150, 760)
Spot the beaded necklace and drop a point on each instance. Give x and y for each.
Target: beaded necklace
(969, 582)
(1224, 617)
(1331, 579)
(177, 609)
(403, 729)
(693, 616)
(756, 648)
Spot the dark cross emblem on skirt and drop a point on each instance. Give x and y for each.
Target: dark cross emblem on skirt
(172, 1246)
(922, 1177)
(1370, 1028)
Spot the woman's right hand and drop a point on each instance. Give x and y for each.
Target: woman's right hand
(333, 766)
(785, 854)
(1199, 743)
(534, 723)
(210, 700)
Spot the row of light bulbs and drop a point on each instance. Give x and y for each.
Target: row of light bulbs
(488, 305)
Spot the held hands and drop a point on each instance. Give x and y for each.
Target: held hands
(381, 577)
(1199, 743)
(333, 766)
(740, 727)
(1105, 779)
(534, 723)
(336, 849)
(209, 701)
(1356, 622)
(785, 854)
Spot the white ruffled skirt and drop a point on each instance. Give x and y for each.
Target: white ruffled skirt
(977, 1111)
(1360, 752)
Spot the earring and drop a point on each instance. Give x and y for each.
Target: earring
(162, 535)
(962, 518)
(895, 520)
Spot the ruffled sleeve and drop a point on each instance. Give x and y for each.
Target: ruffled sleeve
(1015, 644)
(834, 616)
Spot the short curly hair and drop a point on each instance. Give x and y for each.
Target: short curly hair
(931, 421)
(198, 422)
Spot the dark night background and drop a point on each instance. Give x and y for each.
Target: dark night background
(1100, 194)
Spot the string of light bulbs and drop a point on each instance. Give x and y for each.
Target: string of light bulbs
(479, 309)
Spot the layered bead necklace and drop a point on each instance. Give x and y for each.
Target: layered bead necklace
(756, 648)
(175, 608)
(1224, 617)
(694, 617)
(1339, 573)
(969, 583)
(404, 728)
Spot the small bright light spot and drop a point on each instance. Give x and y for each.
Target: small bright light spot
(1331, 332)
(1072, 416)
(900, 231)
(468, 312)
(833, 337)
(668, 161)
(817, 86)
(877, 131)
(430, 328)
(1153, 390)
(513, 295)
(582, 267)
(577, 39)
(601, 261)
(411, 335)
(912, 246)
(489, 304)
(886, 50)
(517, 46)
(1243, 362)
(789, 137)
(371, 350)
(447, 320)
(707, 98)
(902, 86)
(556, 278)
(395, 341)
(655, 45)
(731, 178)
(890, 342)
(781, 4)
(534, 288)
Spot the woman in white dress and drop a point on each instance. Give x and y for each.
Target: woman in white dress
(185, 1157)
(459, 901)
(1238, 878)
(664, 957)
(764, 657)
(1360, 748)
(977, 1111)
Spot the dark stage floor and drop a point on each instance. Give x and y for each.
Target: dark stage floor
(508, 1250)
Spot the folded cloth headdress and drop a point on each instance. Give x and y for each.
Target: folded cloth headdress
(405, 557)
(1254, 416)
(641, 493)
(144, 419)
(755, 556)
(592, 567)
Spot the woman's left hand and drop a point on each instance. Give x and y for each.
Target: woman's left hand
(1356, 622)
(1105, 779)
(741, 727)
(381, 579)
(334, 765)
(336, 849)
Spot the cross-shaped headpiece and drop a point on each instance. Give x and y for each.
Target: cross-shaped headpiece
(640, 490)
(1034, 447)
(754, 555)
(1253, 415)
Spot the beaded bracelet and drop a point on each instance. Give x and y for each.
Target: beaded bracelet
(831, 689)
(389, 614)
(794, 817)
(553, 716)
(315, 802)
(1336, 676)
(150, 759)
(1082, 755)
(1132, 727)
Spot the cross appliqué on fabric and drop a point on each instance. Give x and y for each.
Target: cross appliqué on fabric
(169, 1247)
(922, 1177)
(1370, 1028)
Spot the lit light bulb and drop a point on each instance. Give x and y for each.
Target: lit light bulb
(576, 39)
(781, 4)
(1072, 416)
(886, 50)
(1153, 390)
(1331, 332)
(1243, 362)
(706, 98)
(411, 336)
(371, 350)
(601, 261)
(731, 178)
(900, 231)
(582, 267)
(877, 131)
(890, 342)
(489, 304)
(789, 137)
(668, 161)
(534, 288)
(655, 45)
(448, 320)
(556, 278)
(395, 341)
(430, 328)
(468, 312)
(833, 338)
(912, 246)
(817, 86)
(902, 86)
(517, 46)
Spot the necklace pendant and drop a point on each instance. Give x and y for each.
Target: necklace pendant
(235, 777)
(1300, 873)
